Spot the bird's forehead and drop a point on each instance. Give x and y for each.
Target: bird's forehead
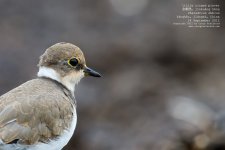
(64, 51)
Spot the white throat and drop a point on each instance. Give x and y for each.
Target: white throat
(69, 81)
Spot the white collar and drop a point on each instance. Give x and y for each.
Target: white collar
(68, 81)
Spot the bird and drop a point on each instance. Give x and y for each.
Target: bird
(41, 113)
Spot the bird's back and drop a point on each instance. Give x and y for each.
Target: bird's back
(38, 111)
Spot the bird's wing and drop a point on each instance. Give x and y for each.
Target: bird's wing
(34, 118)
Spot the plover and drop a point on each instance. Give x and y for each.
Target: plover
(41, 113)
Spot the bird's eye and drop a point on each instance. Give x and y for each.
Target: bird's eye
(73, 62)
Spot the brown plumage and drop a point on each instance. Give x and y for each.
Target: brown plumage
(41, 113)
(38, 117)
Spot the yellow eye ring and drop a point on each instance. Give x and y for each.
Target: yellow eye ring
(73, 62)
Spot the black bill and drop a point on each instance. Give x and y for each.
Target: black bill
(91, 72)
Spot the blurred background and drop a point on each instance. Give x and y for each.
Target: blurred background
(163, 86)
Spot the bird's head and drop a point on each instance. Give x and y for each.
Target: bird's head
(65, 63)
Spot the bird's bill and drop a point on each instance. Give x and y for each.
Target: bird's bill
(91, 72)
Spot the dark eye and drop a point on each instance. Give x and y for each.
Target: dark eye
(73, 62)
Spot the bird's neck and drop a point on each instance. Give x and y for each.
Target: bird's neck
(68, 81)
